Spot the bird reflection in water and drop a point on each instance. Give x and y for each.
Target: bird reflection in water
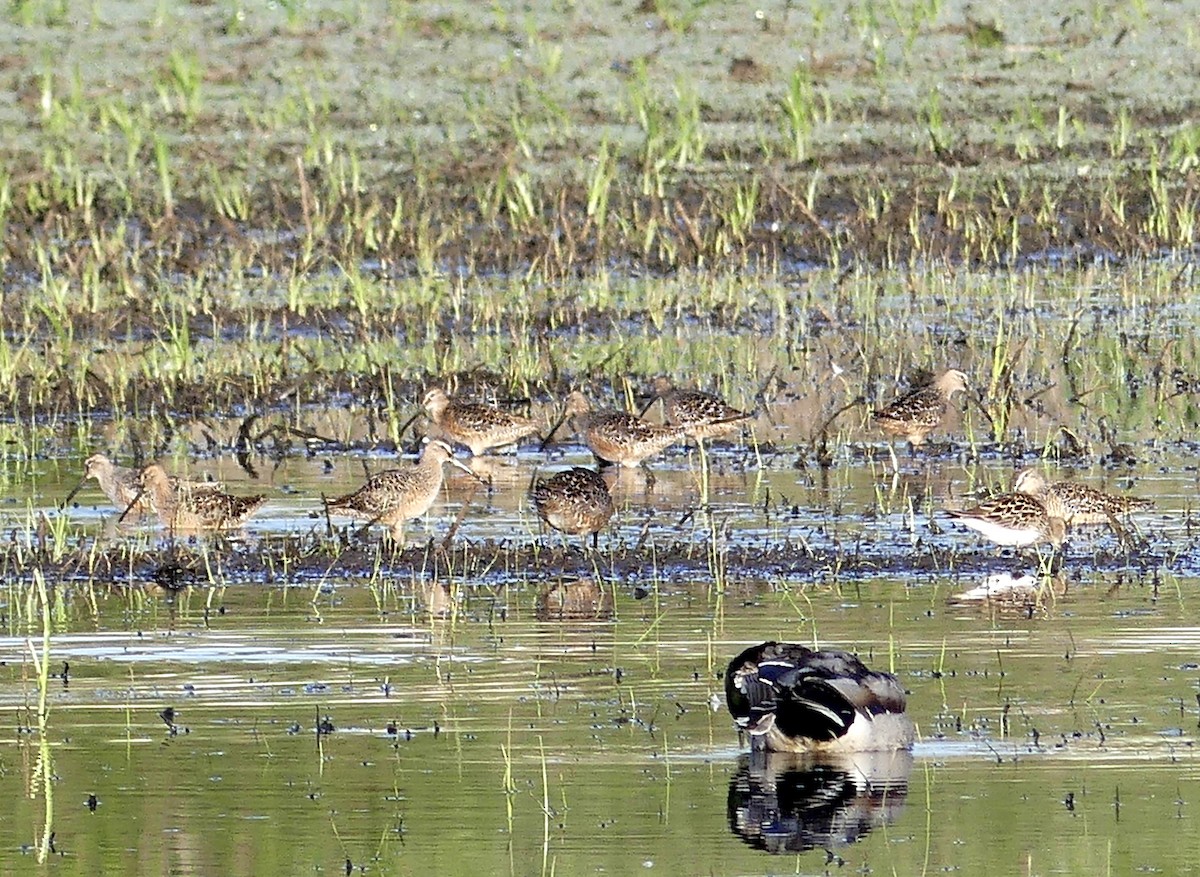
(784, 802)
(581, 599)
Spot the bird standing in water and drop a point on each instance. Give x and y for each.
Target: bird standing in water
(920, 411)
(396, 495)
(182, 508)
(574, 501)
(617, 436)
(478, 427)
(702, 415)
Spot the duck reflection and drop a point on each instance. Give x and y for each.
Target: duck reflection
(784, 802)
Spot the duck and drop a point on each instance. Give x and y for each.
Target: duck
(791, 698)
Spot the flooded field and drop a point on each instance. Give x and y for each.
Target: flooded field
(515, 705)
(245, 240)
(391, 731)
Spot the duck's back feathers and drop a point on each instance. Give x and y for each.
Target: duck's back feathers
(798, 699)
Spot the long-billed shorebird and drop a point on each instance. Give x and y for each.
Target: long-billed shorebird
(793, 699)
(478, 427)
(1078, 503)
(617, 436)
(181, 507)
(122, 485)
(918, 412)
(396, 495)
(1013, 519)
(702, 415)
(574, 501)
(119, 483)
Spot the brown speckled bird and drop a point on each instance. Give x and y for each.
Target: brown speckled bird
(702, 415)
(575, 501)
(1077, 503)
(918, 412)
(122, 485)
(180, 507)
(617, 436)
(478, 427)
(396, 495)
(1015, 519)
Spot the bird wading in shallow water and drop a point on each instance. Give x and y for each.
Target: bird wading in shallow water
(617, 436)
(920, 411)
(794, 699)
(182, 508)
(478, 427)
(123, 487)
(1077, 503)
(574, 501)
(1013, 519)
(702, 415)
(394, 496)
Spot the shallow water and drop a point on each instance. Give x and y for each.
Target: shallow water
(487, 727)
(747, 496)
(465, 714)
(593, 746)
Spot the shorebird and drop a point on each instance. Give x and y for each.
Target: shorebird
(616, 436)
(396, 495)
(574, 501)
(122, 485)
(478, 427)
(702, 415)
(794, 699)
(1013, 519)
(1077, 503)
(918, 412)
(180, 507)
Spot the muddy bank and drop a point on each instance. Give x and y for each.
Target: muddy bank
(740, 569)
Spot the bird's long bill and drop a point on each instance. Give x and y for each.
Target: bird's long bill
(403, 429)
(648, 405)
(553, 430)
(70, 496)
(462, 513)
(133, 502)
(328, 521)
(459, 464)
(978, 403)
